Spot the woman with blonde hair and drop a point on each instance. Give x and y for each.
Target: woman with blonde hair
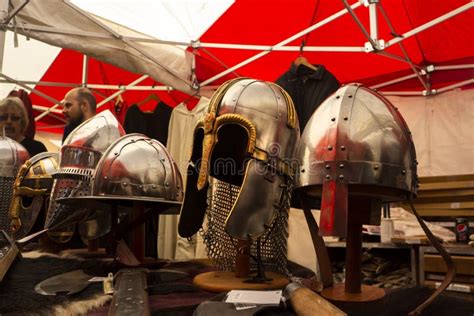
(14, 121)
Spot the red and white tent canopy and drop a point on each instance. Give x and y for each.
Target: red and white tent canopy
(397, 46)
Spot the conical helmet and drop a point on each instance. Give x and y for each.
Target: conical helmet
(79, 156)
(356, 143)
(12, 156)
(134, 168)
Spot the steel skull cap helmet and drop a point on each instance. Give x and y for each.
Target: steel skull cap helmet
(356, 143)
(134, 168)
(31, 191)
(247, 138)
(12, 156)
(79, 155)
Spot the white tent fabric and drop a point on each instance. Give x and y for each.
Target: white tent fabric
(70, 27)
(443, 131)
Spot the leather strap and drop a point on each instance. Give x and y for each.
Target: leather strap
(325, 267)
(451, 269)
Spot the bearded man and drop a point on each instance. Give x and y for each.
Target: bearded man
(79, 105)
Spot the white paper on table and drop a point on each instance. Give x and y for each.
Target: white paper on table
(254, 297)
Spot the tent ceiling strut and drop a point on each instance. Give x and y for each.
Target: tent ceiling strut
(12, 14)
(131, 44)
(415, 68)
(282, 43)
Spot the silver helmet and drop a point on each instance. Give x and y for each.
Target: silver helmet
(12, 156)
(31, 191)
(247, 139)
(79, 155)
(356, 143)
(134, 168)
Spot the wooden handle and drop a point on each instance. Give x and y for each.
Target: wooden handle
(307, 303)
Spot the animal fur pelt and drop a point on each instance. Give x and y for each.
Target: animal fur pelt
(18, 297)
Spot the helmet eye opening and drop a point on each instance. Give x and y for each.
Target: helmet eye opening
(229, 156)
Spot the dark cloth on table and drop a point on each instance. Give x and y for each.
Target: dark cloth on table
(152, 124)
(34, 147)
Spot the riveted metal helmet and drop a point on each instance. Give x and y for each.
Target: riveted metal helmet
(355, 144)
(31, 191)
(134, 168)
(78, 158)
(12, 156)
(247, 139)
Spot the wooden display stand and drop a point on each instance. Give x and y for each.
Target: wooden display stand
(240, 279)
(352, 289)
(224, 281)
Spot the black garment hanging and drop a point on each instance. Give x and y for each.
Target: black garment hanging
(152, 124)
(34, 147)
(308, 88)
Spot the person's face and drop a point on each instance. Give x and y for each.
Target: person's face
(73, 109)
(11, 120)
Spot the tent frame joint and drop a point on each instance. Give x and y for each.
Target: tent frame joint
(195, 44)
(429, 92)
(366, 3)
(379, 46)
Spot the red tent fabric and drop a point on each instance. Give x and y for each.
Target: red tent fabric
(269, 22)
(67, 68)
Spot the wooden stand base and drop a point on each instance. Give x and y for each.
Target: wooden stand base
(223, 281)
(338, 293)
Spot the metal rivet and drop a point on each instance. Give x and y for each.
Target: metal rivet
(345, 118)
(233, 99)
(341, 177)
(115, 154)
(343, 148)
(153, 186)
(350, 95)
(302, 170)
(330, 147)
(328, 166)
(162, 159)
(124, 184)
(105, 177)
(333, 119)
(328, 177)
(341, 166)
(404, 171)
(167, 184)
(376, 167)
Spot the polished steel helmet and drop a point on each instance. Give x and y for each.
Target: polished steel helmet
(135, 168)
(79, 156)
(355, 144)
(31, 191)
(12, 156)
(247, 139)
